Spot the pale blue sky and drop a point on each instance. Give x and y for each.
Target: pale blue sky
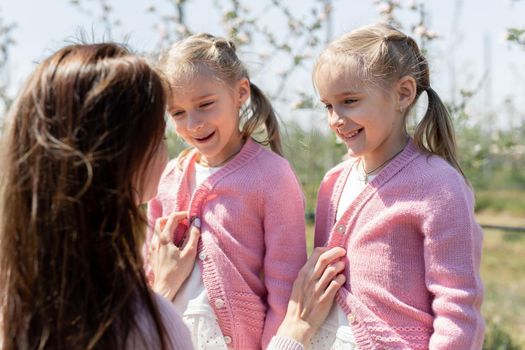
(42, 26)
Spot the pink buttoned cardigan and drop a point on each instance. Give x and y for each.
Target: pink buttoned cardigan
(413, 254)
(252, 237)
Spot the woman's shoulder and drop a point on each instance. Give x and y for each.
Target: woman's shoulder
(177, 335)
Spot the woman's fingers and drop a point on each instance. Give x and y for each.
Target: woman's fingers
(166, 226)
(306, 272)
(174, 264)
(334, 286)
(325, 258)
(191, 243)
(330, 272)
(313, 294)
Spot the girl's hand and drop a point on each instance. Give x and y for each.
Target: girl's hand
(170, 264)
(313, 294)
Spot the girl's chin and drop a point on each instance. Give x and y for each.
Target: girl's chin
(353, 153)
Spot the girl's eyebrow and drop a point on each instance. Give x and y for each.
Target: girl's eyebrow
(343, 94)
(202, 97)
(346, 93)
(199, 98)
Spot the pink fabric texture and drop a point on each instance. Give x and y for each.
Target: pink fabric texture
(413, 254)
(252, 237)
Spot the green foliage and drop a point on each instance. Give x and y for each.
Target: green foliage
(312, 153)
(503, 201)
(496, 338)
(493, 160)
(175, 144)
(517, 36)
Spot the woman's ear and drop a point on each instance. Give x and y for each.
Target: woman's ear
(243, 90)
(406, 92)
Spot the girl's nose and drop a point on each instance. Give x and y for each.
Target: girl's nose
(194, 122)
(335, 120)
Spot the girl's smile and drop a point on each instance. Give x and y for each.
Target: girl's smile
(348, 136)
(206, 115)
(205, 138)
(366, 119)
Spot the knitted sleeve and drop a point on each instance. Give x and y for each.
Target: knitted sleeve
(285, 242)
(284, 343)
(452, 251)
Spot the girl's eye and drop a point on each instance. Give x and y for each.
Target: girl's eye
(350, 101)
(177, 114)
(206, 104)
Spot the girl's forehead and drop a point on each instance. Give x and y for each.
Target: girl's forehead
(333, 77)
(195, 82)
(191, 75)
(191, 88)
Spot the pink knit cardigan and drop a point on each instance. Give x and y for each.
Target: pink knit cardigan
(252, 237)
(413, 255)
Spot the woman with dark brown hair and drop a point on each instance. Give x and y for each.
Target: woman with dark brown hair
(84, 147)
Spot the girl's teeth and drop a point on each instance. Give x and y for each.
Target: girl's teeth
(353, 134)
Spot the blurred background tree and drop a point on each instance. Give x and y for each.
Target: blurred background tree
(6, 41)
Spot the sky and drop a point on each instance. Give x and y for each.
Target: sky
(471, 41)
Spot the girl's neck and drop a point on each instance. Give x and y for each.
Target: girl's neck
(372, 164)
(216, 162)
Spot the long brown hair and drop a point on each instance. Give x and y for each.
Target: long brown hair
(380, 55)
(82, 128)
(218, 55)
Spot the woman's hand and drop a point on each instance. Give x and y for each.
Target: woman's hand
(313, 294)
(170, 264)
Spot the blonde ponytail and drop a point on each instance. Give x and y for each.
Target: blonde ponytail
(435, 132)
(262, 112)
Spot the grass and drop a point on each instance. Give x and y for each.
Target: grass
(503, 275)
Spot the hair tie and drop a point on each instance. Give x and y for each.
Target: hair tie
(231, 44)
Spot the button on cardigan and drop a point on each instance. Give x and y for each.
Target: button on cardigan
(252, 237)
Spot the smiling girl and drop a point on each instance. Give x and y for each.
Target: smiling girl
(400, 206)
(248, 199)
